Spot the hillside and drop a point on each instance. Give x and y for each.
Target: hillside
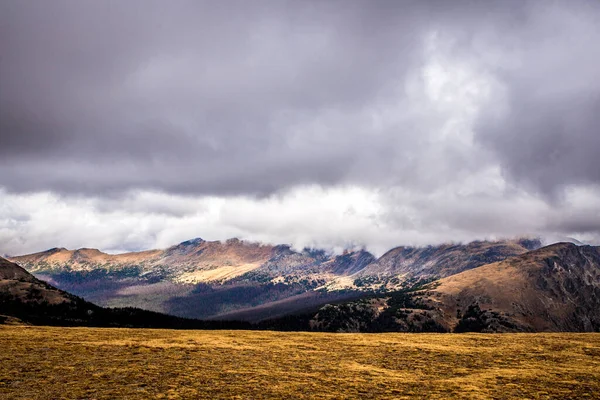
(17, 285)
(554, 289)
(24, 298)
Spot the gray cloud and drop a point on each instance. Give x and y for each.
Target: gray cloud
(448, 111)
(186, 97)
(547, 137)
(227, 98)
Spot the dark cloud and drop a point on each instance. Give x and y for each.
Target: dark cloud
(548, 144)
(185, 96)
(546, 134)
(240, 97)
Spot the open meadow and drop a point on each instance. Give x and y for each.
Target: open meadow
(84, 363)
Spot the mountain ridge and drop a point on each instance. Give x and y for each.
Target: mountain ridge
(552, 289)
(203, 279)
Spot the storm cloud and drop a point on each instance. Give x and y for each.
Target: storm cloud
(463, 119)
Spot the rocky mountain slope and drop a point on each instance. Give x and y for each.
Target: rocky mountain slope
(239, 279)
(433, 262)
(555, 288)
(26, 299)
(16, 283)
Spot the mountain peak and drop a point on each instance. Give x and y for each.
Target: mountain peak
(55, 250)
(192, 242)
(87, 252)
(530, 243)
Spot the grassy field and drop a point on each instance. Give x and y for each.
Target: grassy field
(54, 363)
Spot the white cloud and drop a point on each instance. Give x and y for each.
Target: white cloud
(332, 218)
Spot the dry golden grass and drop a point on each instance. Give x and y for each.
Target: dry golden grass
(56, 363)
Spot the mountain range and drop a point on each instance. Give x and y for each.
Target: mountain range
(236, 279)
(507, 285)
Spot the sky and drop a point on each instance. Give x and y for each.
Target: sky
(332, 124)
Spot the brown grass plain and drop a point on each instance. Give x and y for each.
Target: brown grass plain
(87, 363)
